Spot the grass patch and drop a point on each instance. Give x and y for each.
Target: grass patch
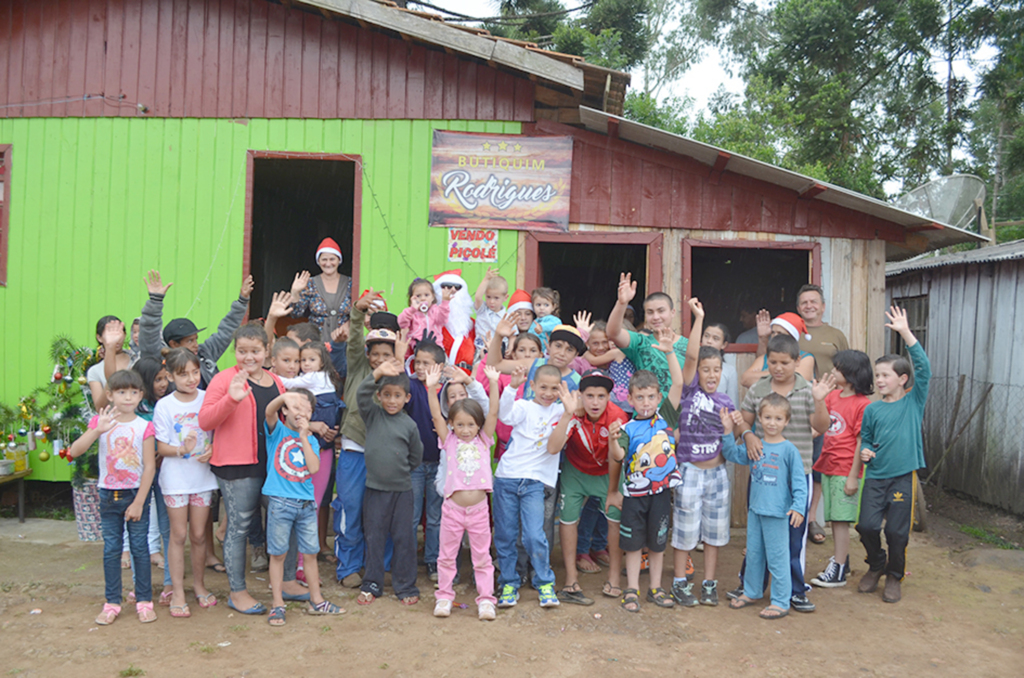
(983, 535)
(325, 629)
(132, 670)
(239, 628)
(205, 648)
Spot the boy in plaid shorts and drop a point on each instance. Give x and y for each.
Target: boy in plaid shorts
(700, 507)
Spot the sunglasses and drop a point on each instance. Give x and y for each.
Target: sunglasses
(451, 286)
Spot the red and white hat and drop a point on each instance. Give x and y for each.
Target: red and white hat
(793, 324)
(328, 246)
(520, 301)
(453, 277)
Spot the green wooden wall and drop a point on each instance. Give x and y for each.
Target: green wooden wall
(96, 202)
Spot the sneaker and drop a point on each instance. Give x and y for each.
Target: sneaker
(801, 604)
(432, 571)
(547, 595)
(735, 593)
(260, 562)
(709, 593)
(443, 608)
(485, 611)
(833, 576)
(683, 594)
(509, 596)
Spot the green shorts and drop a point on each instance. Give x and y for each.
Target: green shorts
(838, 505)
(575, 487)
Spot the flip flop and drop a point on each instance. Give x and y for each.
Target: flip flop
(574, 596)
(207, 601)
(772, 617)
(258, 608)
(146, 612)
(409, 600)
(109, 614)
(740, 603)
(602, 557)
(365, 598)
(585, 565)
(217, 567)
(180, 611)
(610, 591)
(165, 598)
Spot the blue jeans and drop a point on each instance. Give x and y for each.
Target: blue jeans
(163, 522)
(423, 489)
(242, 501)
(519, 502)
(113, 505)
(592, 534)
(288, 517)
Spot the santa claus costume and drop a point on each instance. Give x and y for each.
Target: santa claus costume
(458, 335)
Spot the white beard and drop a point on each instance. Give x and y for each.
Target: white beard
(460, 315)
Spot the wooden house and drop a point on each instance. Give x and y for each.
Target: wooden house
(967, 310)
(213, 138)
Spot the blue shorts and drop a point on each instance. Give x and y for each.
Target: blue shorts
(284, 515)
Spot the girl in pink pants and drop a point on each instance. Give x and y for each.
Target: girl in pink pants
(466, 439)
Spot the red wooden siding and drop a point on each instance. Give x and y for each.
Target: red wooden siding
(232, 59)
(620, 183)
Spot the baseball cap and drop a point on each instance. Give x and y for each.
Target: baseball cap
(596, 377)
(179, 328)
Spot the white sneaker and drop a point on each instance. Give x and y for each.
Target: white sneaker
(443, 608)
(485, 611)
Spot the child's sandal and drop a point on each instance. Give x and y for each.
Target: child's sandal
(365, 598)
(630, 600)
(324, 607)
(409, 600)
(276, 617)
(165, 598)
(146, 612)
(207, 601)
(109, 614)
(659, 598)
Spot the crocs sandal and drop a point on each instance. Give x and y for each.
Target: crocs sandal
(365, 598)
(207, 601)
(276, 617)
(324, 607)
(660, 598)
(146, 612)
(585, 565)
(610, 591)
(180, 611)
(109, 614)
(630, 601)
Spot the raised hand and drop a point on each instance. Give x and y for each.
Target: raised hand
(247, 286)
(105, 421)
(764, 324)
(154, 285)
(433, 376)
(491, 273)
(664, 337)
(456, 376)
(447, 293)
(582, 322)
(362, 303)
(402, 343)
(614, 430)
(627, 288)
(299, 284)
(238, 388)
(389, 368)
(280, 305)
(505, 327)
(897, 319)
(113, 335)
(570, 399)
(822, 387)
(696, 307)
(491, 373)
(727, 423)
(340, 333)
(518, 377)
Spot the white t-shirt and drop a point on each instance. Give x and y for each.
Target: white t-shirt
(173, 420)
(120, 453)
(486, 323)
(730, 382)
(526, 455)
(318, 383)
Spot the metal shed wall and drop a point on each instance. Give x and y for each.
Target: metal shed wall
(975, 328)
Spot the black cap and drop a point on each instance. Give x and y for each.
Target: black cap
(596, 377)
(382, 320)
(179, 328)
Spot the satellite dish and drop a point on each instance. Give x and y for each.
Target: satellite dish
(948, 200)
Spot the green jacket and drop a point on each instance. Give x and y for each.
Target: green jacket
(358, 369)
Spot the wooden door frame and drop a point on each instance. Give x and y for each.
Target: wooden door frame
(814, 248)
(653, 240)
(357, 200)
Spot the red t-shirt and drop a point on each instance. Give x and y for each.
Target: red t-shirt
(840, 446)
(587, 445)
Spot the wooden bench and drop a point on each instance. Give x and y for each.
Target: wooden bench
(20, 477)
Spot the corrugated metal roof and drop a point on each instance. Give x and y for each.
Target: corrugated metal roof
(937, 235)
(1007, 251)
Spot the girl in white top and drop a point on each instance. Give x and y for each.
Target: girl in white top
(185, 477)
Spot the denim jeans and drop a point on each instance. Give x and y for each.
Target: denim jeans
(113, 505)
(350, 480)
(592, 534)
(519, 503)
(523, 557)
(423, 489)
(291, 521)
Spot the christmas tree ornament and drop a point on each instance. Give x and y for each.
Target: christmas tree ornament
(12, 445)
(22, 431)
(40, 434)
(46, 429)
(44, 456)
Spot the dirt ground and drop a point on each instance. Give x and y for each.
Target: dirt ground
(961, 614)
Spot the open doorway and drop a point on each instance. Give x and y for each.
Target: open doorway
(734, 280)
(584, 267)
(297, 201)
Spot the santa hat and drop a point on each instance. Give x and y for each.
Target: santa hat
(520, 301)
(328, 246)
(452, 277)
(377, 304)
(793, 324)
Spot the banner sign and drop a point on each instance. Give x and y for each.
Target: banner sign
(473, 245)
(500, 181)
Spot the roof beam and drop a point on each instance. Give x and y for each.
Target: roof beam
(716, 170)
(930, 226)
(813, 190)
(439, 33)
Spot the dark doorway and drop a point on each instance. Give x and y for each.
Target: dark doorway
(728, 280)
(296, 203)
(587, 275)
